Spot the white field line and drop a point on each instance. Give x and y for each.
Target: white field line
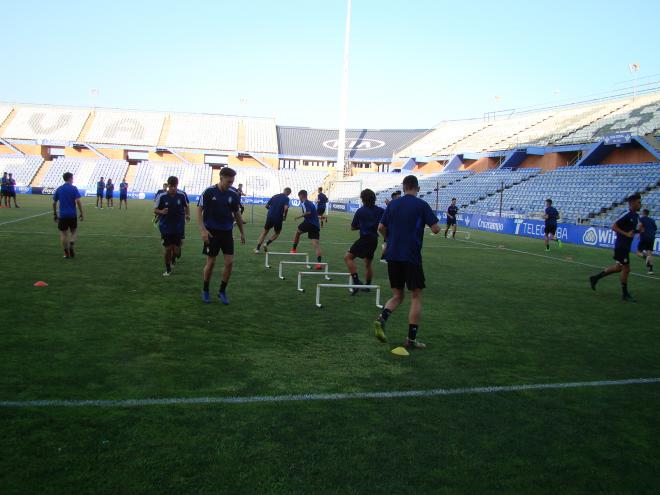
(16, 220)
(9, 404)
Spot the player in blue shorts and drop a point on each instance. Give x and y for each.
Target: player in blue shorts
(309, 226)
(452, 211)
(625, 227)
(647, 240)
(321, 204)
(173, 213)
(123, 194)
(366, 220)
(100, 189)
(403, 223)
(551, 216)
(217, 209)
(278, 208)
(68, 197)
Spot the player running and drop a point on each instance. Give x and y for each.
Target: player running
(625, 228)
(647, 240)
(321, 204)
(452, 210)
(403, 223)
(217, 209)
(100, 189)
(551, 216)
(278, 208)
(173, 212)
(123, 194)
(366, 220)
(310, 226)
(395, 195)
(68, 197)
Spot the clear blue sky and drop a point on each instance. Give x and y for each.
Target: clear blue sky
(413, 62)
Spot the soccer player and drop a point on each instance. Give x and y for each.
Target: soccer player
(310, 226)
(366, 220)
(109, 190)
(240, 193)
(395, 195)
(647, 239)
(12, 190)
(177, 253)
(321, 203)
(217, 209)
(625, 228)
(403, 223)
(278, 208)
(68, 197)
(4, 191)
(452, 210)
(123, 194)
(100, 189)
(157, 197)
(551, 216)
(173, 211)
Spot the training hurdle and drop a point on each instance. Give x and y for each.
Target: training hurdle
(300, 275)
(346, 286)
(268, 253)
(282, 263)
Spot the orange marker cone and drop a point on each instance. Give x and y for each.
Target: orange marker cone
(41, 283)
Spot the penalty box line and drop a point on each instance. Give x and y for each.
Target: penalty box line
(8, 404)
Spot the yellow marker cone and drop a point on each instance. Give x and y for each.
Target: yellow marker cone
(400, 351)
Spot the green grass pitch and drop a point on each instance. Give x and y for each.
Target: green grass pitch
(109, 326)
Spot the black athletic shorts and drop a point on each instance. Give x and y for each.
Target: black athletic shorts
(12, 194)
(451, 221)
(320, 211)
(312, 231)
(67, 223)
(622, 256)
(402, 273)
(364, 247)
(123, 197)
(219, 240)
(551, 228)
(645, 245)
(276, 225)
(99, 195)
(108, 196)
(171, 239)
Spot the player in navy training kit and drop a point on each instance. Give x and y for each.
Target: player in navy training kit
(551, 216)
(310, 226)
(321, 204)
(12, 190)
(452, 210)
(647, 239)
(4, 191)
(366, 220)
(123, 194)
(100, 189)
(109, 190)
(278, 208)
(240, 193)
(403, 223)
(395, 195)
(173, 212)
(625, 228)
(68, 197)
(217, 209)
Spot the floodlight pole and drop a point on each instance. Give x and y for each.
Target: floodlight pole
(341, 140)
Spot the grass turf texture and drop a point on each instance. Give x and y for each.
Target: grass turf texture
(109, 326)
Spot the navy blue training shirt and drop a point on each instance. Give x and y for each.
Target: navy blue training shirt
(452, 210)
(626, 222)
(67, 194)
(366, 219)
(405, 219)
(276, 206)
(322, 199)
(123, 188)
(552, 213)
(308, 206)
(650, 228)
(175, 220)
(218, 208)
(100, 186)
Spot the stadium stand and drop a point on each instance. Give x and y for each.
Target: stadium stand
(23, 167)
(150, 176)
(260, 135)
(263, 182)
(57, 124)
(5, 110)
(86, 172)
(197, 131)
(125, 127)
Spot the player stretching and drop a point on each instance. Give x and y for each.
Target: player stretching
(647, 239)
(395, 195)
(100, 189)
(625, 228)
(217, 209)
(403, 223)
(452, 210)
(68, 197)
(310, 225)
(321, 203)
(366, 220)
(123, 194)
(278, 208)
(173, 212)
(551, 217)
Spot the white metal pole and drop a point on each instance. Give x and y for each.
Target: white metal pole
(341, 140)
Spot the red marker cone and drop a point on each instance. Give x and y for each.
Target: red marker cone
(41, 283)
